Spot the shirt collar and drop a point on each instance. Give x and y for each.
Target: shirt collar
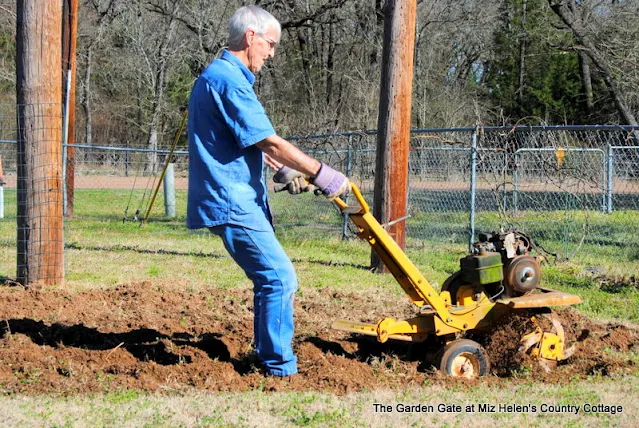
(228, 56)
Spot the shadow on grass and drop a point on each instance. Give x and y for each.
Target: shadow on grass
(75, 246)
(135, 249)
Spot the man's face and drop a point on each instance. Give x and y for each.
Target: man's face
(261, 48)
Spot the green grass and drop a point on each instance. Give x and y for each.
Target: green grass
(102, 250)
(309, 409)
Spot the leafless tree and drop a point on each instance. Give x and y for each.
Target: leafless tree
(7, 50)
(156, 48)
(597, 26)
(96, 17)
(453, 40)
(326, 74)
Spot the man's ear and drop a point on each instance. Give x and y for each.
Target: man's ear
(249, 37)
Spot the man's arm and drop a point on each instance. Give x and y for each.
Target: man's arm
(332, 183)
(281, 151)
(272, 163)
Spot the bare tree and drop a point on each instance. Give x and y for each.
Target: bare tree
(454, 40)
(7, 47)
(158, 62)
(102, 12)
(326, 74)
(571, 13)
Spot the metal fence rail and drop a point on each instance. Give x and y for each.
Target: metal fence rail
(567, 186)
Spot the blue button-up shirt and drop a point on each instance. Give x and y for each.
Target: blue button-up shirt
(226, 184)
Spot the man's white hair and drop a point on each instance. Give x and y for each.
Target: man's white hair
(250, 18)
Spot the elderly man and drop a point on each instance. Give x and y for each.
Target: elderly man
(230, 139)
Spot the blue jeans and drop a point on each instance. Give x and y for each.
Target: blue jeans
(264, 261)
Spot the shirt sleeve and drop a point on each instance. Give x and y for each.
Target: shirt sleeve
(245, 116)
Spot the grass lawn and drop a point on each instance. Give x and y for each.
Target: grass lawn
(103, 251)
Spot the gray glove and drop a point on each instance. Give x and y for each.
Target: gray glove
(332, 183)
(291, 180)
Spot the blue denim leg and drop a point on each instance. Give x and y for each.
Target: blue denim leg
(264, 261)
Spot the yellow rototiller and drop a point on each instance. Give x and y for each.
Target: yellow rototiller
(500, 277)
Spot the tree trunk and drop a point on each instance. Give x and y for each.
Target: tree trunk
(158, 90)
(152, 144)
(379, 21)
(522, 59)
(306, 66)
(586, 81)
(86, 99)
(39, 74)
(106, 16)
(330, 66)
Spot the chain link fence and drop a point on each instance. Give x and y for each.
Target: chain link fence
(568, 187)
(573, 189)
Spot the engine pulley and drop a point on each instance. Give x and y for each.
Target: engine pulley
(523, 274)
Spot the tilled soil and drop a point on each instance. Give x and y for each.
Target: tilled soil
(155, 336)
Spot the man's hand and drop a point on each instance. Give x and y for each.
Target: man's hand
(332, 183)
(293, 181)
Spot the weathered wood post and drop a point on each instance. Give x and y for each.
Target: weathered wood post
(39, 94)
(69, 39)
(394, 120)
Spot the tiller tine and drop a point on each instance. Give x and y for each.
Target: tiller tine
(547, 347)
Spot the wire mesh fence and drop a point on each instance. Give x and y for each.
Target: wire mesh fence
(574, 190)
(33, 163)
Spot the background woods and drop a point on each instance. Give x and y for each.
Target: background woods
(483, 62)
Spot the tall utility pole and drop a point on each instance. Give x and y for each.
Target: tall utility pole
(393, 124)
(39, 73)
(69, 37)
